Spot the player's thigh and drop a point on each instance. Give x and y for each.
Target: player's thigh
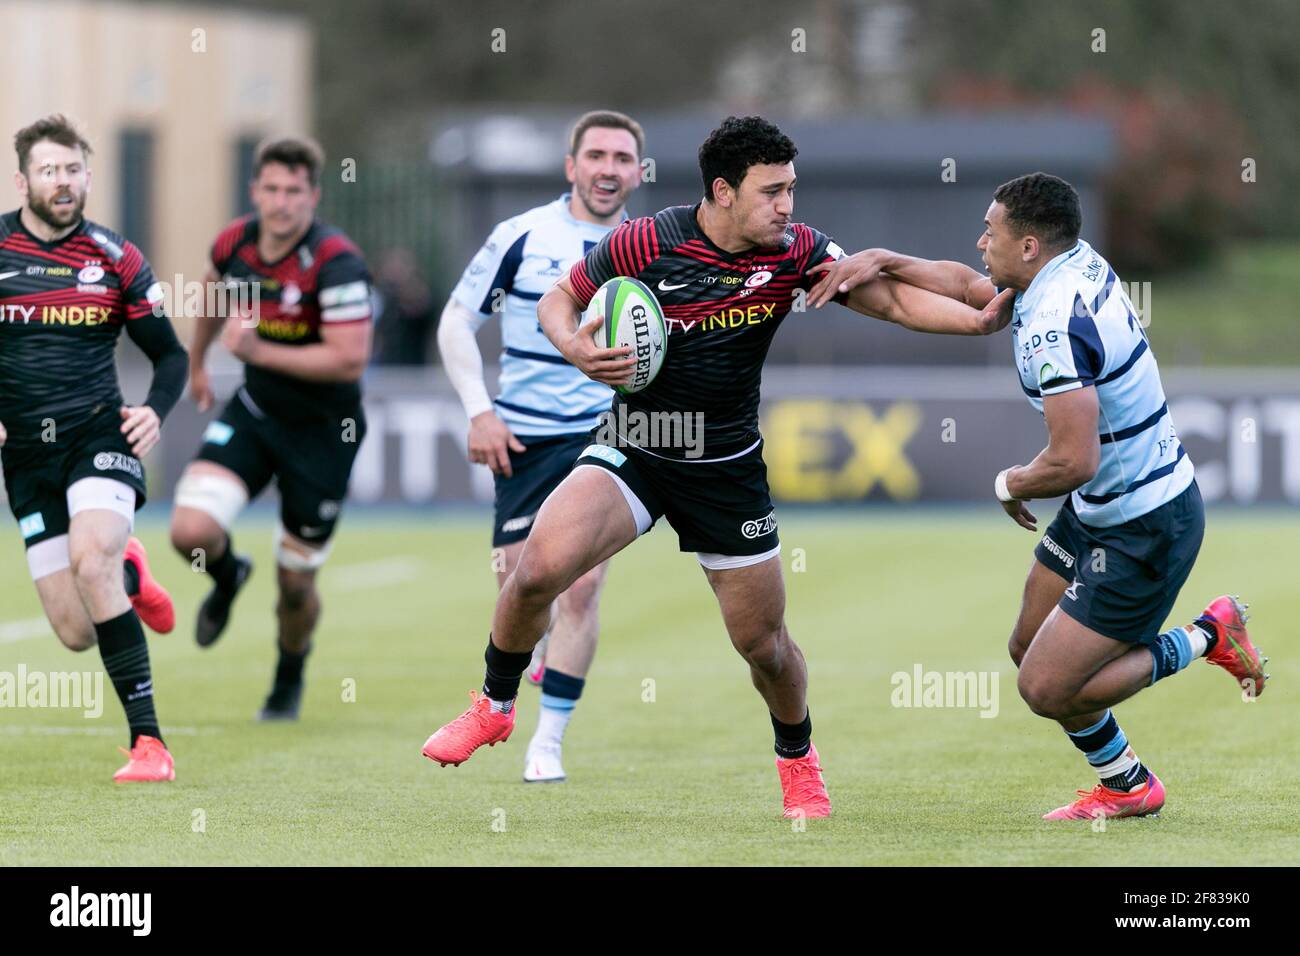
(752, 602)
(1054, 568)
(505, 559)
(517, 498)
(97, 536)
(313, 468)
(1063, 656)
(584, 522)
(1043, 590)
(233, 465)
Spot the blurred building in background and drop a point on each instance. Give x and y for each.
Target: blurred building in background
(172, 99)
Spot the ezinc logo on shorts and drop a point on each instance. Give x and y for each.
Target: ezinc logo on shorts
(116, 461)
(1066, 558)
(756, 529)
(103, 909)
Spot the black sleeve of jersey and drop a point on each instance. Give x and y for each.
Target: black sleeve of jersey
(157, 339)
(626, 251)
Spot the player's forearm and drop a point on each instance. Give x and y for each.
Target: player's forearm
(207, 329)
(943, 277)
(461, 357)
(321, 362)
(558, 315)
(917, 309)
(1049, 475)
(157, 339)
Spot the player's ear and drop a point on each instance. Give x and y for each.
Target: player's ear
(20, 183)
(1029, 248)
(570, 168)
(723, 194)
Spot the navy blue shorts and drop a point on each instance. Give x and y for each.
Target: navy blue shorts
(1125, 579)
(537, 471)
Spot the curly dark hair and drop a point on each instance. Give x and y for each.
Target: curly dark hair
(1044, 205)
(56, 128)
(741, 142)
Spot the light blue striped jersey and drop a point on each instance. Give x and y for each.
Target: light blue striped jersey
(541, 393)
(1075, 327)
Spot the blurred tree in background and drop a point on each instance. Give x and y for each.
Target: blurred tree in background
(1193, 88)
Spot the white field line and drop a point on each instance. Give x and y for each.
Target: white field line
(366, 575)
(13, 631)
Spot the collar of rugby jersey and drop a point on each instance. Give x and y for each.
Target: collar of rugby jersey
(1027, 300)
(567, 215)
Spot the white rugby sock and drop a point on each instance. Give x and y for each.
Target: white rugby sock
(551, 724)
(1199, 639)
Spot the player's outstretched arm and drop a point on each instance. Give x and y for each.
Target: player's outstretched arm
(954, 280)
(1070, 459)
(490, 439)
(925, 311)
(558, 313)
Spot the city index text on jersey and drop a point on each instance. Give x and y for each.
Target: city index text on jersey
(55, 314)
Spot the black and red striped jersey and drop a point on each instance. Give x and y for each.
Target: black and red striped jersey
(323, 280)
(721, 311)
(63, 305)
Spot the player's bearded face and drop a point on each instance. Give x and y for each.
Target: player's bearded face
(57, 184)
(285, 199)
(764, 204)
(604, 170)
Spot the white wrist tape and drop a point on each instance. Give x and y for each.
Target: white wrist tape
(1000, 486)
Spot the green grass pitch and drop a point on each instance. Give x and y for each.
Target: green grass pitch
(685, 778)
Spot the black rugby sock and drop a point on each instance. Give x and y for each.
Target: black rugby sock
(131, 578)
(504, 668)
(793, 740)
(225, 569)
(125, 654)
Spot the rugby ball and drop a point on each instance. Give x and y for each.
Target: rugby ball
(633, 319)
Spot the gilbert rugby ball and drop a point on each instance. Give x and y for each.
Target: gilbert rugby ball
(633, 319)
